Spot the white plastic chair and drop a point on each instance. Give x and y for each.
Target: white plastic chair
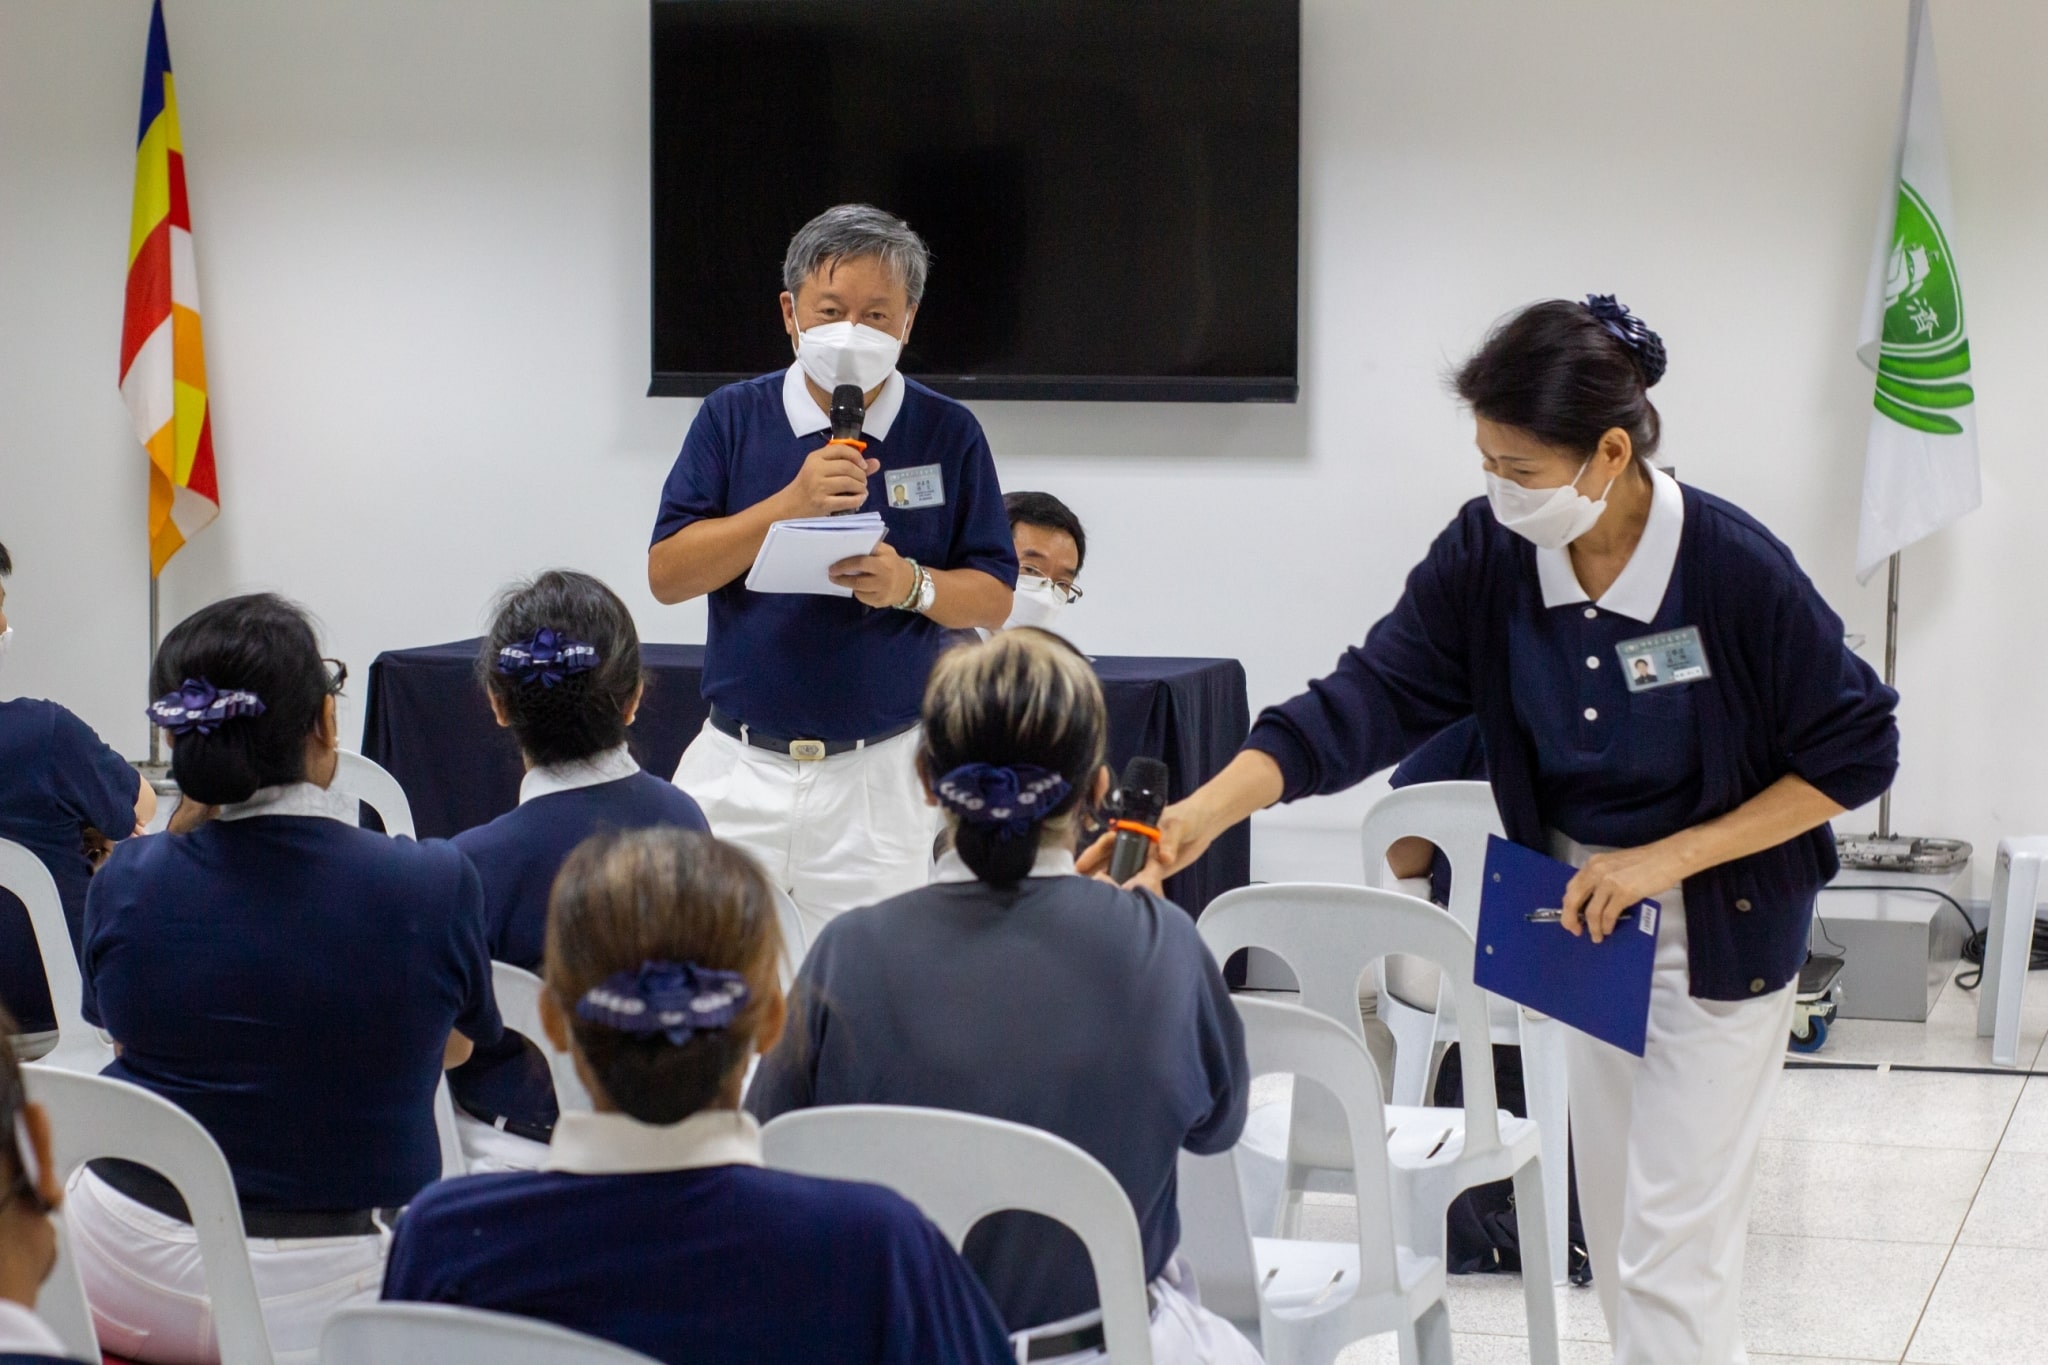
(1458, 817)
(79, 1045)
(518, 992)
(442, 1334)
(2016, 892)
(959, 1168)
(93, 1117)
(1329, 937)
(379, 790)
(1303, 1301)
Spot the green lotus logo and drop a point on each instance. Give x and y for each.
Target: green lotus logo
(1923, 368)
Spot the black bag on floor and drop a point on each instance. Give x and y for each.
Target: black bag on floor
(1480, 1236)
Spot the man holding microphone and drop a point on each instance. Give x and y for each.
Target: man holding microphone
(807, 759)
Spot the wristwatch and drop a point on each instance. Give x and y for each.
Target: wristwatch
(923, 591)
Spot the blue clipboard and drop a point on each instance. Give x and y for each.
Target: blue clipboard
(1526, 956)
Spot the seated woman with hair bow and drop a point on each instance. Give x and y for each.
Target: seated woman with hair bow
(293, 982)
(1013, 988)
(561, 667)
(661, 977)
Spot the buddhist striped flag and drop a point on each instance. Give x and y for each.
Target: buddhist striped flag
(163, 364)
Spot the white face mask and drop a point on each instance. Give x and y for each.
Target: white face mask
(835, 353)
(1038, 603)
(1551, 518)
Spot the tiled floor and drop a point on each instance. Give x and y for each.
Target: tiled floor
(1901, 1216)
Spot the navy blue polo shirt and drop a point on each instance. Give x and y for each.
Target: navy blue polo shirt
(805, 666)
(517, 855)
(733, 1264)
(290, 982)
(57, 780)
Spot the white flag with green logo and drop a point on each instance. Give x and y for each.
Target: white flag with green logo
(1920, 470)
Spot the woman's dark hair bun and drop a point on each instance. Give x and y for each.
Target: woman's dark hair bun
(1632, 332)
(1568, 372)
(258, 643)
(574, 714)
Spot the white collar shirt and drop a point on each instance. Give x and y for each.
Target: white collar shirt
(1051, 862)
(23, 1333)
(588, 1143)
(294, 798)
(1638, 591)
(609, 766)
(806, 417)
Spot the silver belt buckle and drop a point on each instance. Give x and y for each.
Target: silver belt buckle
(807, 750)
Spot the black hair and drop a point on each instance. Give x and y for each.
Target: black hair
(1559, 371)
(6, 562)
(661, 895)
(1043, 509)
(265, 645)
(1021, 697)
(583, 713)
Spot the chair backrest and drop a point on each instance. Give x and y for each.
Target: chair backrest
(1329, 936)
(93, 1117)
(442, 1334)
(959, 1168)
(518, 992)
(368, 783)
(1455, 816)
(79, 1047)
(791, 921)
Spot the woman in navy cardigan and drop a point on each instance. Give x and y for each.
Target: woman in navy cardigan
(1709, 790)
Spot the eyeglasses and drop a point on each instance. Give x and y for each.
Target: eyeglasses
(1067, 591)
(337, 676)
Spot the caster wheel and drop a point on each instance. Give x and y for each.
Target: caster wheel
(1809, 1035)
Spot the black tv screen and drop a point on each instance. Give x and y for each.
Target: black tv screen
(1109, 187)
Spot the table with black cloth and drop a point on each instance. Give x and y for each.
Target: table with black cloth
(429, 725)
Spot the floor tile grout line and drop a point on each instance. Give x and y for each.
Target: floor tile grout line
(1920, 1319)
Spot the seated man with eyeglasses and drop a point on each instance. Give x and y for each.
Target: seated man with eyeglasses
(1051, 547)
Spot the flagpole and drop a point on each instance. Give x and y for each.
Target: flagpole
(1891, 675)
(156, 737)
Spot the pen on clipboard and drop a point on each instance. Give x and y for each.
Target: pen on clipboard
(1557, 916)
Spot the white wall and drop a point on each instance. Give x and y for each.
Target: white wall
(422, 241)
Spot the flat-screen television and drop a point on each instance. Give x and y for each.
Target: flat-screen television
(1110, 188)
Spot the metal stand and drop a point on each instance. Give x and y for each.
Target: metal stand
(156, 767)
(1884, 851)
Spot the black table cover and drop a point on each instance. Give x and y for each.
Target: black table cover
(429, 725)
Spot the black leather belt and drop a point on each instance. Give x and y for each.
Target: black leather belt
(543, 1133)
(803, 750)
(1087, 1338)
(152, 1191)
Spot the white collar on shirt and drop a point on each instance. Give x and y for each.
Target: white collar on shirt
(23, 1333)
(805, 416)
(587, 1143)
(1051, 862)
(296, 798)
(1639, 590)
(609, 766)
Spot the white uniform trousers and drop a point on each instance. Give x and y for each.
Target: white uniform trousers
(835, 834)
(145, 1282)
(1183, 1332)
(1665, 1148)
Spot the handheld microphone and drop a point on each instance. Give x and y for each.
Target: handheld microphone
(849, 411)
(1137, 806)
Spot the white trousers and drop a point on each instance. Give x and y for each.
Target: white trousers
(487, 1148)
(147, 1287)
(1183, 1332)
(1666, 1153)
(835, 834)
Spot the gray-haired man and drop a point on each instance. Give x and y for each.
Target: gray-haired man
(808, 758)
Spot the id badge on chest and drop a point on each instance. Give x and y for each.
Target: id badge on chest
(921, 486)
(1663, 660)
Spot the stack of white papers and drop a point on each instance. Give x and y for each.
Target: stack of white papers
(797, 554)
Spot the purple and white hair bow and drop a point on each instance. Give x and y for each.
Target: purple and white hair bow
(547, 658)
(200, 707)
(1009, 800)
(678, 1000)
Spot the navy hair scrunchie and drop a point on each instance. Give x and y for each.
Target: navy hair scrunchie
(547, 658)
(1632, 332)
(677, 1000)
(200, 707)
(1009, 801)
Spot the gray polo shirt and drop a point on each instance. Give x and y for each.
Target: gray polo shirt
(1064, 1003)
